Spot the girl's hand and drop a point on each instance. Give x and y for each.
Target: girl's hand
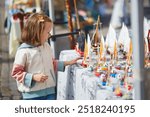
(74, 61)
(40, 77)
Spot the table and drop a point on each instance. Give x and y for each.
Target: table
(65, 89)
(78, 83)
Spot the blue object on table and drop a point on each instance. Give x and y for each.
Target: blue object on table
(113, 75)
(104, 83)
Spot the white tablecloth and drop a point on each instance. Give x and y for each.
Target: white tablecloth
(65, 89)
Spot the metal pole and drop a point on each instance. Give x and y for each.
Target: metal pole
(138, 47)
(51, 15)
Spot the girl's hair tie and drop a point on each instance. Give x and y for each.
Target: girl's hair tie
(41, 19)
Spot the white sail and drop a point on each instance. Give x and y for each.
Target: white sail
(111, 38)
(89, 44)
(124, 38)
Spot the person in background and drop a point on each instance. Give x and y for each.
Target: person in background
(121, 13)
(34, 67)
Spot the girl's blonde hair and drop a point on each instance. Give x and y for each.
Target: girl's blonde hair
(34, 28)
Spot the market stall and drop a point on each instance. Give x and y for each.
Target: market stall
(134, 68)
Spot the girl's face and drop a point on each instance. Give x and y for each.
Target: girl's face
(46, 32)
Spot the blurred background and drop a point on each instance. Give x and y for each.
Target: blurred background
(64, 16)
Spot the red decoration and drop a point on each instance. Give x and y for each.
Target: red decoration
(129, 87)
(97, 74)
(119, 94)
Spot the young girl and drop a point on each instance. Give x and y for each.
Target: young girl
(34, 66)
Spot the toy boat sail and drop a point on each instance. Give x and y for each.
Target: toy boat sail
(129, 55)
(87, 48)
(111, 43)
(95, 42)
(147, 49)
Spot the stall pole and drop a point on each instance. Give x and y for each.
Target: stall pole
(138, 48)
(51, 15)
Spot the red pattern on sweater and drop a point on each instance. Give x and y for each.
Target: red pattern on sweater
(18, 72)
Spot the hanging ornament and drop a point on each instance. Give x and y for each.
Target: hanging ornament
(70, 25)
